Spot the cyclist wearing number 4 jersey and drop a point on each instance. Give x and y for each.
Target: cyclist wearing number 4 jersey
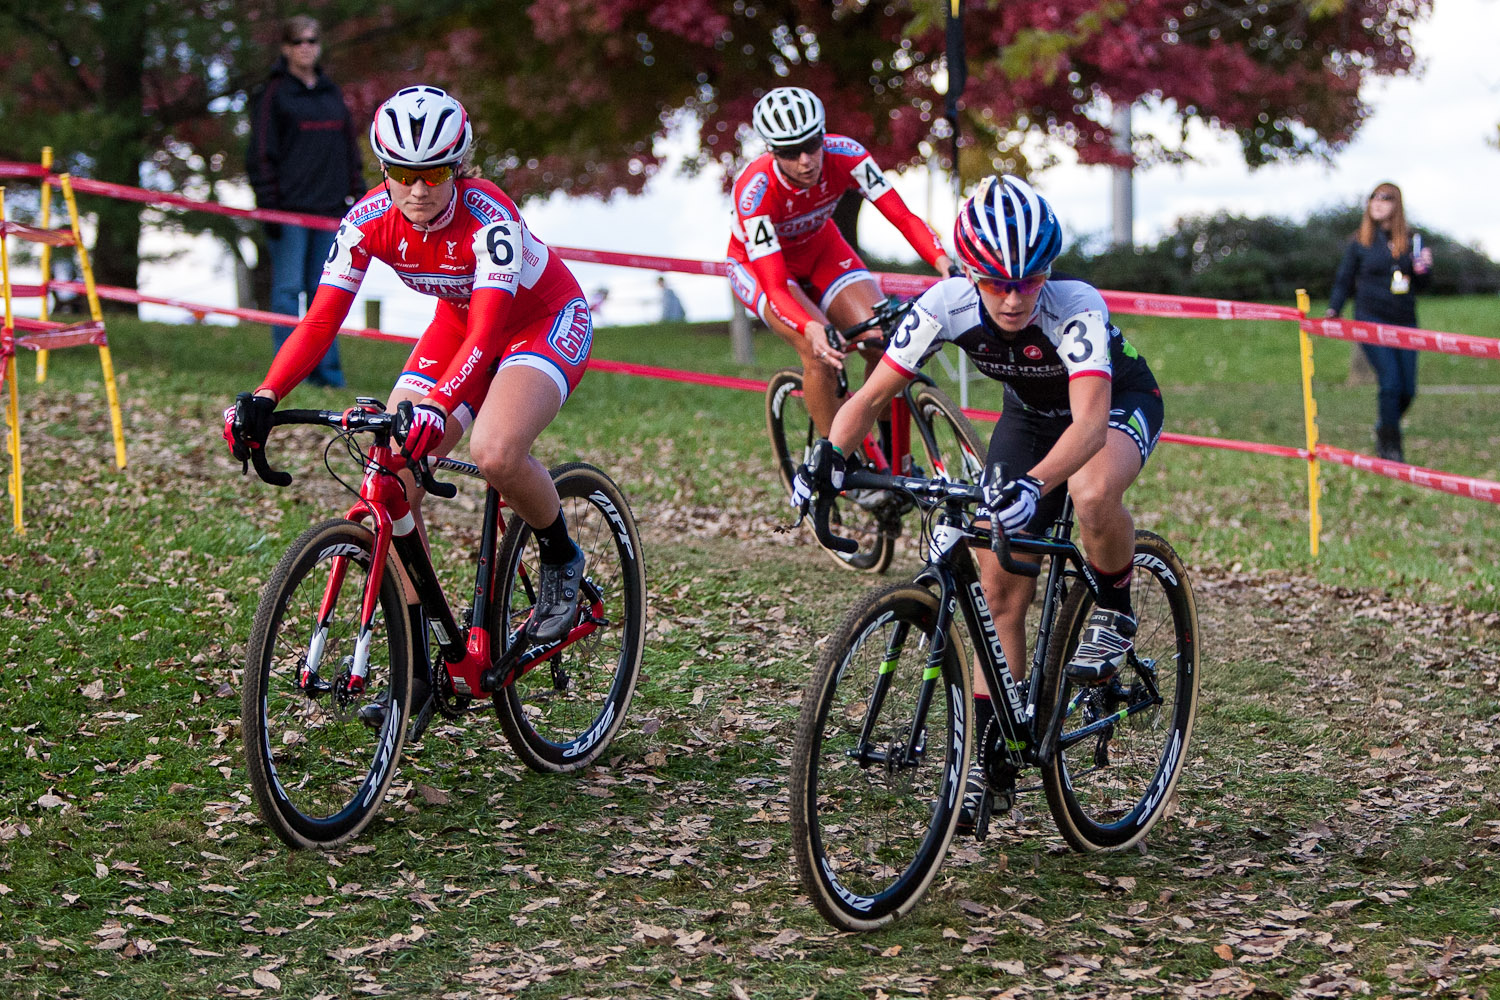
(1082, 409)
(507, 345)
(784, 239)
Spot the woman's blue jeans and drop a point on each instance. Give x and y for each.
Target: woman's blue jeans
(1396, 372)
(297, 258)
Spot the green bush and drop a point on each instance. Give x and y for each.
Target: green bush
(1263, 259)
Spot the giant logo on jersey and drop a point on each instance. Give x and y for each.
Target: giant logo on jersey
(754, 191)
(743, 285)
(484, 208)
(371, 208)
(843, 145)
(573, 332)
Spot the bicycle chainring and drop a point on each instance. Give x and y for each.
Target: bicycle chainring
(451, 704)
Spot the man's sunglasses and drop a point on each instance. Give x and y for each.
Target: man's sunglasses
(303, 41)
(431, 176)
(1004, 286)
(795, 152)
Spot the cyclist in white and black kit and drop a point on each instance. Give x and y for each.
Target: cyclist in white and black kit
(1082, 410)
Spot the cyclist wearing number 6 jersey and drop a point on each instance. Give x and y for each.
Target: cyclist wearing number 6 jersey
(507, 345)
(1082, 409)
(784, 246)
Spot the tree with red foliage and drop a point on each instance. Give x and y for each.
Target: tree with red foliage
(1282, 75)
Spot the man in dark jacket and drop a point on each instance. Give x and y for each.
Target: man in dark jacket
(303, 158)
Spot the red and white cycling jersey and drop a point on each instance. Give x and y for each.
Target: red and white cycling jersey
(778, 227)
(501, 293)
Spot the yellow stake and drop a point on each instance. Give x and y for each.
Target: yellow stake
(1310, 412)
(116, 423)
(46, 222)
(12, 403)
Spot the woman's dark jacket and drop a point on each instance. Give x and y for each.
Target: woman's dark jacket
(1365, 275)
(303, 153)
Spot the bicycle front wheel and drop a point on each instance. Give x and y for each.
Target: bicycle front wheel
(792, 434)
(561, 715)
(318, 773)
(1123, 744)
(879, 760)
(953, 449)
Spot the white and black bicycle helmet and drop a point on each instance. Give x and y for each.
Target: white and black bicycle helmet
(1007, 230)
(421, 127)
(788, 116)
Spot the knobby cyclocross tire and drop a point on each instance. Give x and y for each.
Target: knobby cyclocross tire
(561, 715)
(318, 773)
(792, 435)
(871, 822)
(1107, 790)
(960, 455)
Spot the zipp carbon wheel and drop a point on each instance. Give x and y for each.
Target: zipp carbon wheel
(1123, 743)
(875, 787)
(318, 773)
(561, 715)
(792, 435)
(954, 449)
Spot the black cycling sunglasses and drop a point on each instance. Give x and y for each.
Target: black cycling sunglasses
(795, 152)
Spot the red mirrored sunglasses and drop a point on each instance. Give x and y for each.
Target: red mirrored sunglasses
(1004, 286)
(431, 176)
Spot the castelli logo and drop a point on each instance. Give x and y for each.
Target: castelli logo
(1033, 352)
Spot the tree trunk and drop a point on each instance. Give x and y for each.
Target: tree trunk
(116, 253)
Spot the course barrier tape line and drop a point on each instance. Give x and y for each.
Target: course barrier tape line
(1125, 303)
(1408, 337)
(1446, 482)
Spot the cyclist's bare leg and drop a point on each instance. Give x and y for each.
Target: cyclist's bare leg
(855, 304)
(520, 404)
(414, 493)
(819, 378)
(1105, 526)
(1009, 596)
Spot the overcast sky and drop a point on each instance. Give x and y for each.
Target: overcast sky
(1428, 134)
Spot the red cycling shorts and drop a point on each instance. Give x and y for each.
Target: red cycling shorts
(557, 345)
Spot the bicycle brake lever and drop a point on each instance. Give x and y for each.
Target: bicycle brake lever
(431, 484)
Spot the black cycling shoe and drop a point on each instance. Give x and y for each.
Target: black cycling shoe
(556, 610)
(977, 805)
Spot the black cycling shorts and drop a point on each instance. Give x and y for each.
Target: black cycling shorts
(1022, 437)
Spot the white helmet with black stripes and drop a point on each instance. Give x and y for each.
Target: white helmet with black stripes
(421, 127)
(788, 116)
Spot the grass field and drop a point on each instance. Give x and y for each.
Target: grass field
(1337, 831)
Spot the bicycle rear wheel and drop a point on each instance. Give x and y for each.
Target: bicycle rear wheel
(792, 435)
(561, 715)
(1123, 743)
(956, 452)
(318, 773)
(875, 787)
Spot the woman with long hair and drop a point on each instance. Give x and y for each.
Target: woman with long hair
(1383, 268)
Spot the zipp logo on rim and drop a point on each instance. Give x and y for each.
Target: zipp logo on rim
(621, 532)
(358, 553)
